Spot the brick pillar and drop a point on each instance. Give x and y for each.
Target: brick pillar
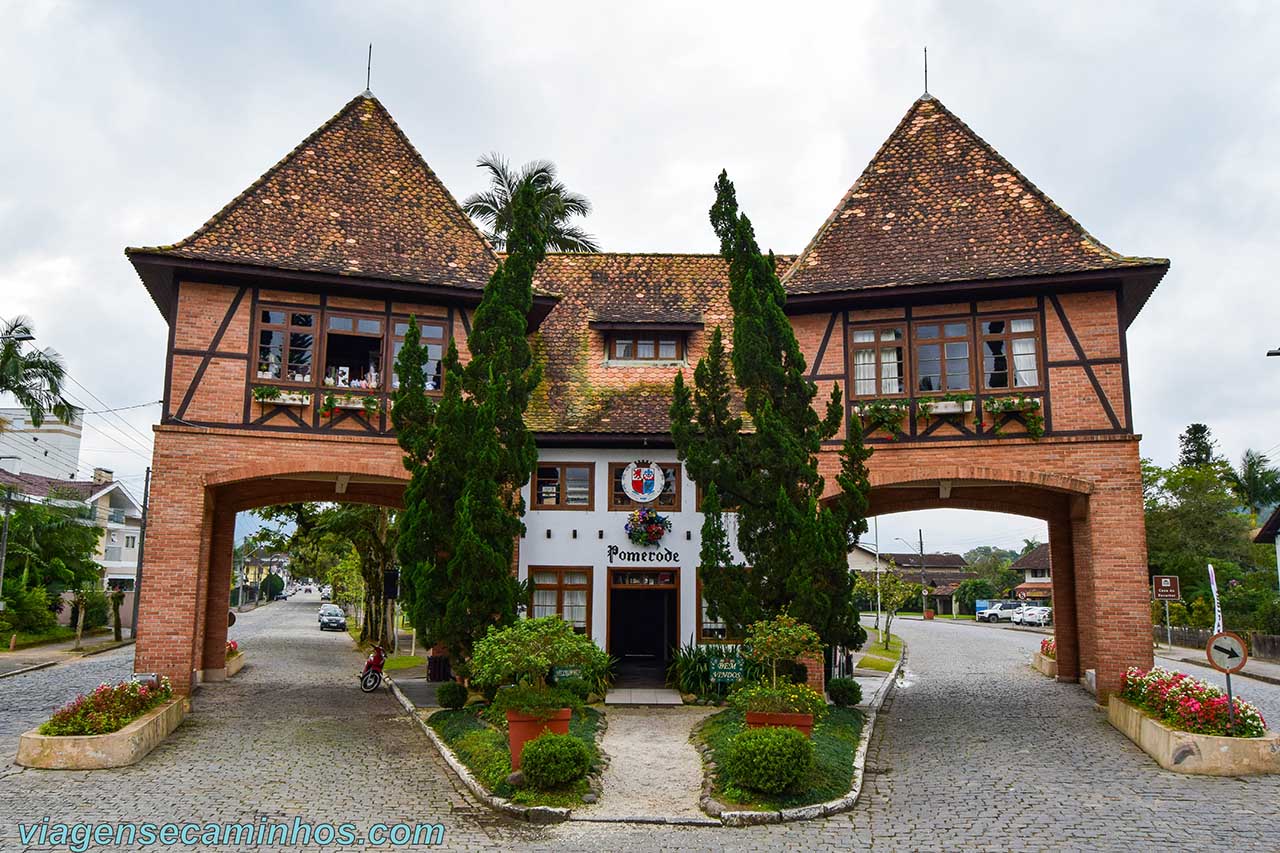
(1083, 579)
(213, 661)
(1122, 589)
(1062, 568)
(177, 532)
(814, 671)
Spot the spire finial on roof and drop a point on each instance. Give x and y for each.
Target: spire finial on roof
(926, 71)
(368, 73)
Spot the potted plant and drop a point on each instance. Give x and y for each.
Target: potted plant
(521, 656)
(769, 703)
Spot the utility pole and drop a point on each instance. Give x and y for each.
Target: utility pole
(924, 599)
(4, 545)
(142, 544)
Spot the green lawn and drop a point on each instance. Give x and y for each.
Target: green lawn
(875, 645)
(483, 749)
(59, 634)
(877, 663)
(835, 740)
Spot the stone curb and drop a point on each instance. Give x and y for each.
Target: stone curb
(1268, 679)
(727, 817)
(111, 648)
(31, 668)
(533, 814)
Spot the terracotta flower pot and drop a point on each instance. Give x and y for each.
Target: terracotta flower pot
(526, 727)
(762, 719)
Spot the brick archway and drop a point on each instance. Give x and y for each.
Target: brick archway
(1091, 497)
(202, 478)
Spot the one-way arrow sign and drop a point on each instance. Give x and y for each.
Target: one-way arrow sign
(1227, 652)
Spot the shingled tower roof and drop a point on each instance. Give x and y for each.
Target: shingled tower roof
(355, 198)
(938, 204)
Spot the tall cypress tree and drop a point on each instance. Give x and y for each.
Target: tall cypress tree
(469, 454)
(795, 546)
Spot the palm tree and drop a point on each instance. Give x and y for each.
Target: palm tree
(492, 209)
(34, 378)
(1255, 482)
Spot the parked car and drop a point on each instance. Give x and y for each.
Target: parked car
(1039, 616)
(999, 612)
(325, 596)
(1020, 615)
(328, 610)
(335, 619)
(281, 596)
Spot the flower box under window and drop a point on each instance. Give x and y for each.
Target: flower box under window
(866, 408)
(951, 407)
(354, 403)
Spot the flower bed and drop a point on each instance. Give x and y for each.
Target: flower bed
(1188, 704)
(1046, 660)
(483, 749)
(235, 658)
(112, 726)
(835, 742)
(1182, 723)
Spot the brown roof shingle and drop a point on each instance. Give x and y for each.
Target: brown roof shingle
(938, 204)
(579, 392)
(354, 198)
(37, 486)
(1036, 558)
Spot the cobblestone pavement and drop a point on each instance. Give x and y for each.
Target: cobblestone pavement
(26, 700)
(974, 751)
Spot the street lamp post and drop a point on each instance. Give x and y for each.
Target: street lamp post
(924, 601)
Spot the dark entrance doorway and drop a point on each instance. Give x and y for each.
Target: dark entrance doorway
(644, 624)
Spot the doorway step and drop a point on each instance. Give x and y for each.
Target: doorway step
(643, 696)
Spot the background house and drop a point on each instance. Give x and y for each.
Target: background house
(104, 502)
(941, 573)
(1036, 574)
(49, 450)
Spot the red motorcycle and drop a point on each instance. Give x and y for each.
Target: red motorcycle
(372, 675)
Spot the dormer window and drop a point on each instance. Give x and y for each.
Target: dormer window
(640, 346)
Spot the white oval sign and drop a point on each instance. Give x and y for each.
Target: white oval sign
(642, 481)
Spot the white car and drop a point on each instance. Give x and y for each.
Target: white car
(1038, 616)
(998, 612)
(1020, 615)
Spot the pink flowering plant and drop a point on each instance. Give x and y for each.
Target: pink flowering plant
(1049, 648)
(109, 708)
(1188, 704)
(233, 648)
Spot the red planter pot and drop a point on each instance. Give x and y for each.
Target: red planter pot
(762, 719)
(928, 614)
(526, 727)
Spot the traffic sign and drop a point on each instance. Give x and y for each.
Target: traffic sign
(1165, 588)
(1226, 652)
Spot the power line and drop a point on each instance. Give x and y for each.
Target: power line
(125, 408)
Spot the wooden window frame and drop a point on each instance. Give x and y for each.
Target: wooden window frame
(560, 587)
(627, 505)
(355, 317)
(287, 329)
(705, 641)
(443, 322)
(941, 341)
(1008, 337)
(560, 505)
(613, 338)
(877, 344)
(643, 570)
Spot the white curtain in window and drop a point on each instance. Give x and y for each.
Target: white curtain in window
(864, 372)
(544, 602)
(1024, 363)
(890, 359)
(575, 607)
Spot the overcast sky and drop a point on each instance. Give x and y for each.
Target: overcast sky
(1154, 124)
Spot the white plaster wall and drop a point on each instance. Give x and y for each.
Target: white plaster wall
(589, 548)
